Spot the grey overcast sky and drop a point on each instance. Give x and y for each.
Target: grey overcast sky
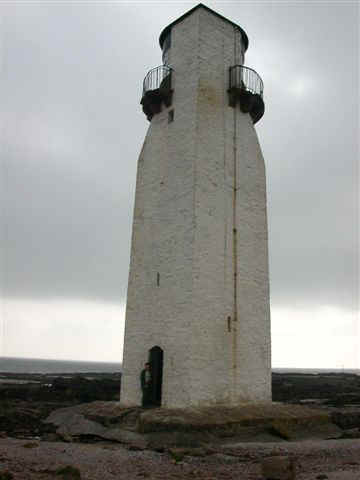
(72, 129)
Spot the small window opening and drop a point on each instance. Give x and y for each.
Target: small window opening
(229, 324)
(171, 116)
(158, 279)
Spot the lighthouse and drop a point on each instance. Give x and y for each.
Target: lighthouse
(198, 293)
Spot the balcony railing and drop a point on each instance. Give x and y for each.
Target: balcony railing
(157, 90)
(156, 78)
(247, 78)
(246, 88)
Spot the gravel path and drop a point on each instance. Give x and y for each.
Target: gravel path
(337, 459)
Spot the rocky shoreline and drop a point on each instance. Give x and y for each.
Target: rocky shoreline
(72, 427)
(26, 400)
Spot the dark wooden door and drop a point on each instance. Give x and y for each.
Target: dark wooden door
(156, 356)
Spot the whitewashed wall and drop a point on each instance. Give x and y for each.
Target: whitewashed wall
(197, 225)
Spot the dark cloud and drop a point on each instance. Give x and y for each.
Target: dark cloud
(73, 128)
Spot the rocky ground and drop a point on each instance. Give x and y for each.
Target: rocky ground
(27, 399)
(333, 460)
(40, 439)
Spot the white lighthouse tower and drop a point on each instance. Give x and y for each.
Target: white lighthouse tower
(198, 293)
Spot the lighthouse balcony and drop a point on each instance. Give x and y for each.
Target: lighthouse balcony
(157, 90)
(246, 89)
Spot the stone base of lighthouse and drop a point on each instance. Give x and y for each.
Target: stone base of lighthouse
(210, 428)
(198, 292)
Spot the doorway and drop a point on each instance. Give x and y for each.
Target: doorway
(156, 356)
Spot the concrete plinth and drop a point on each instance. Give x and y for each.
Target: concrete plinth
(198, 427)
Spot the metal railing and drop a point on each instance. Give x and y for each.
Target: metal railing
(246, 78)
(156, 78)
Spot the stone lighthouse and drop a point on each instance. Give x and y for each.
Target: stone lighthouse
(198, 292)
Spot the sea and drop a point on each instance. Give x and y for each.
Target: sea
(37, 365)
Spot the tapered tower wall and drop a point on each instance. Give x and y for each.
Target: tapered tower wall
(198, 283)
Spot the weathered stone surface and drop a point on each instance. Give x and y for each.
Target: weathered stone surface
(278, 468)
(178, 453)
(125, 436)
(159, 429)
(259, 433)
(191, 439)
(73, 424)
(105, 413)
(223, 458)
(226, 421)
(310, 429)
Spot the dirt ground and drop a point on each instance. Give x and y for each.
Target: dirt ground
(40, 460)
